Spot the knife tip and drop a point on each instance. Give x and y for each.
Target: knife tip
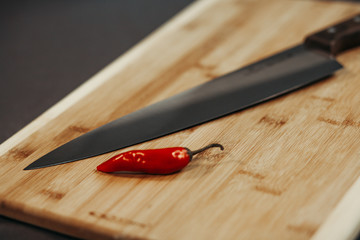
(28, 168)
(32, 166)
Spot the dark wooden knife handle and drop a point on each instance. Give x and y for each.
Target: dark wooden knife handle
(336, 39)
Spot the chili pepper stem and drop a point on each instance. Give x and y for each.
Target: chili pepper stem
(192, 153)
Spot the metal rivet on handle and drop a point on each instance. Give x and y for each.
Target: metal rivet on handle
(331, 30)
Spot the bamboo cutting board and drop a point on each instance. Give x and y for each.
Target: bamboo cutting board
(290, 168)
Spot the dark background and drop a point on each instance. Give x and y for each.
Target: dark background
(48, 48)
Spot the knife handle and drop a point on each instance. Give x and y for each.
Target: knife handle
(336, 39)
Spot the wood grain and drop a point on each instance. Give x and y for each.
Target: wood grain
(287, 165)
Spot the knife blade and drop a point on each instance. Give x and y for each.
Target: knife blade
(276, 75)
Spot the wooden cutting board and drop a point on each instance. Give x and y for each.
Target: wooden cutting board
(290, 168)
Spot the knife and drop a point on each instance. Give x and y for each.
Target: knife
(276, 75)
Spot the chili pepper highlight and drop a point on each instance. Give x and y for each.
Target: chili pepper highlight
(153, 161)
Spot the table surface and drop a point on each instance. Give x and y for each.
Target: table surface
(36, 68)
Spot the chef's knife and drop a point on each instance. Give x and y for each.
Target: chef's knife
(284, 72)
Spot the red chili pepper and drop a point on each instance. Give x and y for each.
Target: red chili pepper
(154, 161)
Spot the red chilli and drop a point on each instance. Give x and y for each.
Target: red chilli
(153, 161)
